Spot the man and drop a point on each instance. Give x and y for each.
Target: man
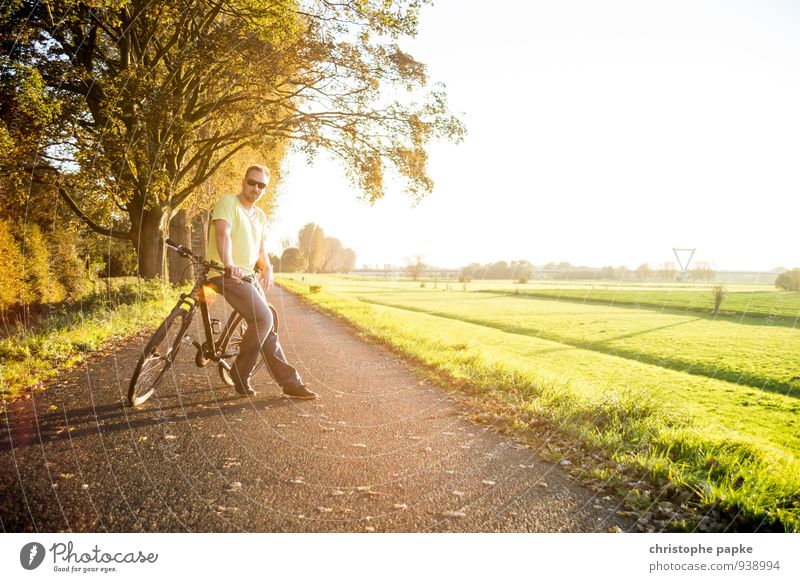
(237, 239)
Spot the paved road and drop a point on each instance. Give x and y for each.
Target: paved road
(382, 450)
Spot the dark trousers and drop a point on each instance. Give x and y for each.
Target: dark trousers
(248, 299)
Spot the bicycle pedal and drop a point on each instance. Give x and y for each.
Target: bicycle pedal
(215, 328)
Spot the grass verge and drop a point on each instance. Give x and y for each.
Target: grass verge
(665, 462)
(31, 355)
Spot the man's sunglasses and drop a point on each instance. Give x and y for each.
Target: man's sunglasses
(251, 182)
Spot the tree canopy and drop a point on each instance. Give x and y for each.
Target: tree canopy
(127, 107)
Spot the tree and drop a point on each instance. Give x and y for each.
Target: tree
(608, 273)
(668, 271)
(415, 267)
(347, 260)
(521, 270)
(789, 281)
(294, 260)
(333, 252)
(702, 271)
(275, 261)
(498, 270)
(644, 272)
(151, 97)
(311, 239)
(470, 271)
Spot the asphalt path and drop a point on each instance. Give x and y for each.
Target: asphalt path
(381, 450)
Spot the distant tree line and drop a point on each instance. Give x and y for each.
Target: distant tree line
(499, 270)
(524, 270)
(315, 253)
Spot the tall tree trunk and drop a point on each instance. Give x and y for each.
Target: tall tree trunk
(148, 240)
(180, 270)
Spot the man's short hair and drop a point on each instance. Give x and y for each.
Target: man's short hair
(259, 167)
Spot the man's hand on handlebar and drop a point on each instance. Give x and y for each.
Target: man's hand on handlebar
(234, 273)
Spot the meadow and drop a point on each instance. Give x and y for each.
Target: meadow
(709, 402)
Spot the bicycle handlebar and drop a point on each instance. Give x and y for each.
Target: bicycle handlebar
(186, 253)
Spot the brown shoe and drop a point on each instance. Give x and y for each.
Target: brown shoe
(300, 392)
(242, 387)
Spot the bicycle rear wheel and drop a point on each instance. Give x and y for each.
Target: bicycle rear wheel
(158, 355)
(231, 346)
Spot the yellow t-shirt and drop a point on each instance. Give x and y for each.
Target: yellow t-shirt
(247, 232)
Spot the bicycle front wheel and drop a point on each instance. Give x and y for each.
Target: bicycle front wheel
(157, 357)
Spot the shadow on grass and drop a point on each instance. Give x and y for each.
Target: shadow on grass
(790, 388)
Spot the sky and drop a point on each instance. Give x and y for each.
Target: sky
(599, 132)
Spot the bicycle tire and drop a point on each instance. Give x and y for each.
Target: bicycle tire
(158, 356)
(232, 344)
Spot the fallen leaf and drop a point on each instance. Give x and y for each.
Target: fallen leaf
(400, 506)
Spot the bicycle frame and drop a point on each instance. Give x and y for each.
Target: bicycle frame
(208, 350)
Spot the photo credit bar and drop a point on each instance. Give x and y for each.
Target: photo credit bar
(370, 557)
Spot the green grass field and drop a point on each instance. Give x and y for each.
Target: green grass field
(641, 381)
(771, 307)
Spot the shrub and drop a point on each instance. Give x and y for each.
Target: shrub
(10, 273)
(719, 293)
(314, 288)
(39, 286)
(66, 264)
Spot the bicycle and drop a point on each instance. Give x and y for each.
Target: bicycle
(162, 348)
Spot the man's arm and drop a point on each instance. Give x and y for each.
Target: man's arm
(267, 280)
(222, 232)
